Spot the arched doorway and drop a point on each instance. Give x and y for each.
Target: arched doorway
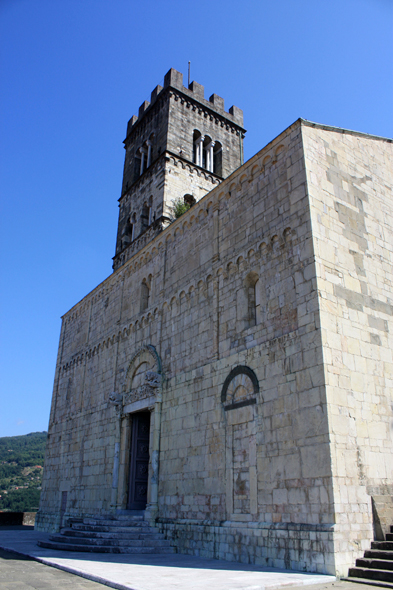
(139, 461)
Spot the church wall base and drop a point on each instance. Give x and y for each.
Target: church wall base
(48, 522)
(299, 547)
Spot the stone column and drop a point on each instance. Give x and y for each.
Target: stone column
(210, 157)
(200, 151)
(117, 402)
(115, 474)
(151, 511)
(148, 153)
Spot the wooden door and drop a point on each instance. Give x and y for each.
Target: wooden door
(139, 461)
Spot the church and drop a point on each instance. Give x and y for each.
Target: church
(230, 383)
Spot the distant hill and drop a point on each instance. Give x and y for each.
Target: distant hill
(21, 467)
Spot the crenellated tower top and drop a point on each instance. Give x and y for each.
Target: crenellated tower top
(178, 147)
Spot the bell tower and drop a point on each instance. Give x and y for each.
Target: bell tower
(180, 146)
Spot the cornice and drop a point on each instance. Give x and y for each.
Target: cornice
(205, 108)
(198, 102)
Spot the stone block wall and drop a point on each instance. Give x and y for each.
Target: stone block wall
(241, 294)
(265, 463)
(350, 181)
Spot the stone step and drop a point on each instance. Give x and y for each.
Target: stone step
(378, 554)
(127, 513)
(112, 529)
(377, 583)
(371, 574)
(114, 522)
(127, 533)
(111, 535)
(382, 545)
(147, 542)
(378, 564)
(105, 548)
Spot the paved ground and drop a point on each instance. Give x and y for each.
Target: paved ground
(18, 572)
(143, 572)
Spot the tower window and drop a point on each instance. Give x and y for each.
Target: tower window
(145, 216)
(190, 200)
(133, 227)
(217, 158)
(198, 139)
(143, 156)
(150, 207)
(208, 146)
(207, 153)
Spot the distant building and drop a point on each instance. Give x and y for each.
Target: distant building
(233, 377)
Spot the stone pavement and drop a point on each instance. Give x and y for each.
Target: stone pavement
(138, 572)
(18, 572)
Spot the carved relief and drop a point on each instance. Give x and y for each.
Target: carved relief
(115, 399)
(143, 379)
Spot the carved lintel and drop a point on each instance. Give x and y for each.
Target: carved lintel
(141, 392)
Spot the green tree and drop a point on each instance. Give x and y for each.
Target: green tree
(178, 207)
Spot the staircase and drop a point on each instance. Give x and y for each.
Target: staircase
(376, 567)
(125, 533)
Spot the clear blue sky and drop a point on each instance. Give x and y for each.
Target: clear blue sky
(72, 74)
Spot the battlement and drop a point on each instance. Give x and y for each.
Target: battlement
(195, 91)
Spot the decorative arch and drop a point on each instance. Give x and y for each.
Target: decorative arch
(145, 359)
(141, 395)
(240, 388)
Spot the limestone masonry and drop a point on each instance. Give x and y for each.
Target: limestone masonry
(233, 377)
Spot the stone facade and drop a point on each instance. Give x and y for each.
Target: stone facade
(256, 329)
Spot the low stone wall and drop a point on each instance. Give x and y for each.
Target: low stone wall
(299, 547)
(17, 518)
(48, 522)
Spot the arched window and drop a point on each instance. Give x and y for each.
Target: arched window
(150, 207)
(189, 200)
(145, 294)
(133, 227)
(249, 303)
(208, 146)
(145, 216)
(207, 153)
(149, 144)
(217, 158)
(253, 299)
(198, 147)
(258, 302)
(128, 234)
(143, 157)
(137, 164)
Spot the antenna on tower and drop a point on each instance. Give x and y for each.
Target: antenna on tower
(189, 73)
